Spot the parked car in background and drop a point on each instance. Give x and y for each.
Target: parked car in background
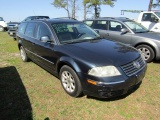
(3, 25)
(150, 20)
(82, 61)
(12, 28)
(129, 32)
(36, 17)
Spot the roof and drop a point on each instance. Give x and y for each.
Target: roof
(111, 18)
(55, 20)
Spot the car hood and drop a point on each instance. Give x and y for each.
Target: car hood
(102, 52)
(149, 35)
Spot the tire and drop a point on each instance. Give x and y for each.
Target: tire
(147, 52)
(70, 81)
(23, 55)
(1, 29)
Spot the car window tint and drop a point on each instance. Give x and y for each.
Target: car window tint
(115, 26)
(22, 28)
(42, 30)
(100, 24)
(30, 29)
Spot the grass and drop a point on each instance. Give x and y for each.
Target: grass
(29, 92)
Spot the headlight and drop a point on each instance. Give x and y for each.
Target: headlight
(105, 71)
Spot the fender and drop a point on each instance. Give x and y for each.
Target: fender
(65, 60)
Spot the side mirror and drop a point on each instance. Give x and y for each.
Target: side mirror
(124, 30)
(45, 39)
(97, 31)
(155, 20)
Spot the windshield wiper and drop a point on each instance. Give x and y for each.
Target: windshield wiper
(74, 41)
(96, 38)
(79, 41)
(142, 32)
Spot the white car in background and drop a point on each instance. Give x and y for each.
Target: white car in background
(3, 25)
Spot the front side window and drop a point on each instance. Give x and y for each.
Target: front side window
(115, 26)
(148, 17)
(30, 29)
(73, 32)
(42, 30)
(135, 27)
(22, 27)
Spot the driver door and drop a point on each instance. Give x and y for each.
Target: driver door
(114, 33)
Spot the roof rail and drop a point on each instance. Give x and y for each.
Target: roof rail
(66, 18)
(122, 17)
(106, 17)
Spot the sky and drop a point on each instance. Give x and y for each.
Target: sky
(18, 10)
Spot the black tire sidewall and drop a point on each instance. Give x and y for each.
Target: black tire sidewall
(78, 88)
(152, 54)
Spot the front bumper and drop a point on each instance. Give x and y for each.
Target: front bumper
(113, 89)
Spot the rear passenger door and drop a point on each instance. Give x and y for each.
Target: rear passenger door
(44, 50)
(102, 27)
(29, 39)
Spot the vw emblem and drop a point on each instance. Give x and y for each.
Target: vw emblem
(136, 64)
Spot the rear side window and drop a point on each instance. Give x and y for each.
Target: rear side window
(30, 29)
(22, 28)
(100, 24)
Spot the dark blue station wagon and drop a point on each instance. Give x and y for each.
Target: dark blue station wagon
(84, 62)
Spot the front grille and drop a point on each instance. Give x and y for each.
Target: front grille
(134, 66)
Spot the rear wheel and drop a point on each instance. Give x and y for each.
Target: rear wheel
(23, 54)
(70, 81)
(147, 52)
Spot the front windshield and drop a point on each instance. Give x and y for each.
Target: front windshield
(135, 27)
(73, 32)
(157, 13)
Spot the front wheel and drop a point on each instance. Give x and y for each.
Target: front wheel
(70, 81)
(1, 29)
(23, 54)
(147, 52)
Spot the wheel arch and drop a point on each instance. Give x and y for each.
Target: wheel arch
(19, 44)
(67, 61)
(150, 45)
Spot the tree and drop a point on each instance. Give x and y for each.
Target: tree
(68, 5)
(157, 4)
(96, 5)
(150, 5)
